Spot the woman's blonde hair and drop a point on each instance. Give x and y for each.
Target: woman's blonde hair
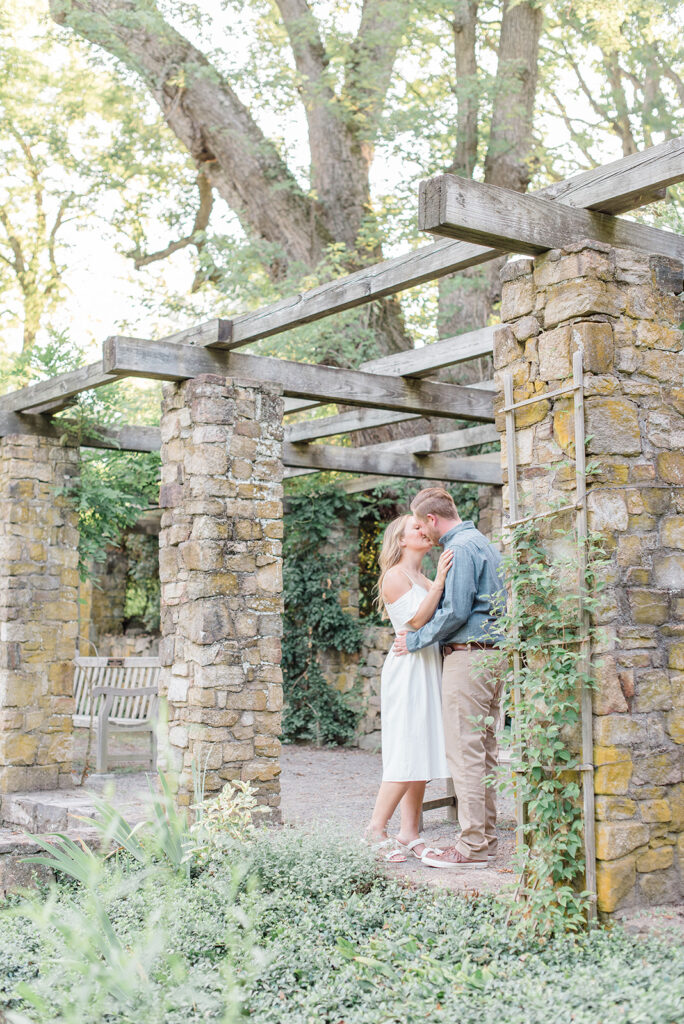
(390, 553)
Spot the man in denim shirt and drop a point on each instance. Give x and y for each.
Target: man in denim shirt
(465, 625)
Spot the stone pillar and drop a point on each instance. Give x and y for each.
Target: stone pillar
(221, 576)
(38, 613)
(490, 520)
(621, 308)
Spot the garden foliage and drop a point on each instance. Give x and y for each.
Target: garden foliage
(316, 567)
(544, 628)
(289, 927)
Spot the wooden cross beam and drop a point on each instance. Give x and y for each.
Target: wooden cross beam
(420, 362)
(128, 357)
(58, 392)
(390, 463)
(359, 419)
(124, 438)
(486, 214)
(613, 188)
(422, 444)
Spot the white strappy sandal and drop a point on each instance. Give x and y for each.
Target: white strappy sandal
(394, 856)
(411, 848)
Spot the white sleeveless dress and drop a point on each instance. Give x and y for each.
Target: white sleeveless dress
(411, 704)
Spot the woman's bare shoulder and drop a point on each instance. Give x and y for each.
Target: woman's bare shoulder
(394, 585)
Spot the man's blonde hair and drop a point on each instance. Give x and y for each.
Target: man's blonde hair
(434, 501)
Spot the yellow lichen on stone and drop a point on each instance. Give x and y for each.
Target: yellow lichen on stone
(616, 838)
(614, 880)
(655, 860)
(655, 810)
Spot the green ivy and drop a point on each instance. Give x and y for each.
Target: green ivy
(315, 571)
(543, 625)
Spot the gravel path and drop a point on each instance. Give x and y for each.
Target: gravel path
(323, 786)
(338, 785)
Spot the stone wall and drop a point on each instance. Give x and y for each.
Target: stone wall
(621, 308)
(38, 613)
(376, 644)
(490, 502)
(221, 577)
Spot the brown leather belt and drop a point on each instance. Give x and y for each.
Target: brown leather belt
(473, 646)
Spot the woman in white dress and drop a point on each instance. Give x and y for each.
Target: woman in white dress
(410, 696)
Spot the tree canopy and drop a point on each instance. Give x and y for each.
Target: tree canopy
(278, 143)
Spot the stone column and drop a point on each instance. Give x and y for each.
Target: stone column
(221, 575)
(38, 613)
(491, 512)
(622, 309)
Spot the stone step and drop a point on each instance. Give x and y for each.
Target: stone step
(16, 845)
(59, 810)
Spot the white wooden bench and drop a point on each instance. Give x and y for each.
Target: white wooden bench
(117, 694)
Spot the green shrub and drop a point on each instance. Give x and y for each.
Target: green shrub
(291, 927)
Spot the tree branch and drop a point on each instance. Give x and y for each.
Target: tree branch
(18, 265)
(464, 28)
(620, 121)
(205, 113)
(368, 72)
(201, 222)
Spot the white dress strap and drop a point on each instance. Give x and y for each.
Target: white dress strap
(408, 577)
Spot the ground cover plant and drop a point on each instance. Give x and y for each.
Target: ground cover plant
(229, 922)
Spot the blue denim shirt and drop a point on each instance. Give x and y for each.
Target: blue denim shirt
(473, 593)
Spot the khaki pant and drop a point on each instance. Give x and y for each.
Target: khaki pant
(471, 692)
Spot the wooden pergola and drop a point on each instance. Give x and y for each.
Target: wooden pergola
(238, 681)
(488, 223)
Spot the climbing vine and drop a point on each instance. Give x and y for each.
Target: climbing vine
(543, 624)
(317, 564)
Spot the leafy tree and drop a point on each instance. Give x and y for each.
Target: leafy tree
(73, 155)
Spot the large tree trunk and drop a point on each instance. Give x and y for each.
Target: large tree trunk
(238, 160)
(466, 300)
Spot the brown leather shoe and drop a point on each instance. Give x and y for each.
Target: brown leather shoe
(453, 858)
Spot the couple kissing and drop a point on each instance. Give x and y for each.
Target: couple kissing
(440, 695)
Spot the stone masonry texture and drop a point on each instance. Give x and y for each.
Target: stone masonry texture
(221, 578)
(38, 613)
(624, 310)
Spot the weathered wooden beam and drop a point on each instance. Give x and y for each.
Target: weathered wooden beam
(298, 405)
(124, 438)
(345, 423)
(425, 444)
(359, 484)
(360, 460)
(470, 210)
(125, 357)
(625, 184)
(420, 362)
(57, 392)
(451, 440)
(618, 186)
(211, 332)
(358, 419)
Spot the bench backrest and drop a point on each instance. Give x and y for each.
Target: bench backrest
(120, 672)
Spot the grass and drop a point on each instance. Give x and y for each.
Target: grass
(286, 927)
